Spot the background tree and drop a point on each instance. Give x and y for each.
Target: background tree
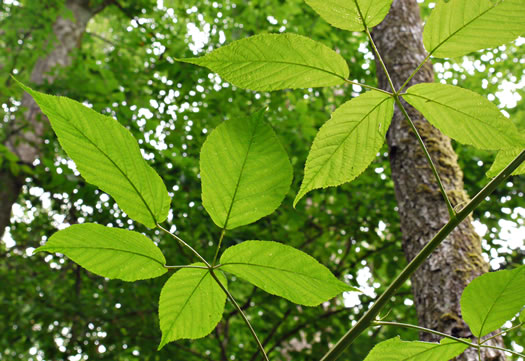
(125, 68)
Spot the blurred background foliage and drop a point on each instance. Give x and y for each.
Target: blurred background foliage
(51, 309)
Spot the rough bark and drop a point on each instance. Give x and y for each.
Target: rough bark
(27, 140)
(437, 286)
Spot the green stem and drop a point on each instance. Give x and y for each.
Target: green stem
(379, 58)
(367, 86)
(451, 211)
(503, 332)
(239, 309)
(178, 239)
(370, 315)
(223, 232)
(414, 73)
(427, 330)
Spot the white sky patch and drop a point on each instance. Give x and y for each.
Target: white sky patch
(199, 37)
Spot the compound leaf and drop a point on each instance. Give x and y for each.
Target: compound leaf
(492, 299)
(245, 172)
(275, 61)
(108, 252)
(353, 15)
(396, 349)
(107, 155)
(503, 158)
(191, 304)
(458, 27)
(283, 271)
(464, 116)
(348, 142)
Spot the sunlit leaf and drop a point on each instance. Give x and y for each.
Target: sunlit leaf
(107, 155)
(276, 61)
(191, 304)
(492, 299)
(245, 171)
(503, 158)
(459, 27)
(395, 349)
(464, 116)
(108, 252)
(348, 142)
(283, 271)
(351, 15)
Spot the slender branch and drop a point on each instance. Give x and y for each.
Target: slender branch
(381, 301)
(223, 232)
(414, 73)
(185, 266)
(503, 332)
(232, 300)
(376, 52)
(272, 332)
(451, 211)
(178, 239)
(423, 329)
(367, 86)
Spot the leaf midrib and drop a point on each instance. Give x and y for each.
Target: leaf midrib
(274, 268)
(58, 248)
(111, 160)
(343, 141)
(462, 27)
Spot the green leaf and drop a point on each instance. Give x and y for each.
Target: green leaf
(191, 304)
(283, 271)
(464, 116)
(522, 316)
(107, 155)
(108, 252)
(503, 158)
(276, 61)
(348, 142)
(245, 172)
(353, 15)
(395, 349)
(458, 27)
(492, 299)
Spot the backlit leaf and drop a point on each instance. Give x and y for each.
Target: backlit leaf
(503, 158)
(351, 14)
(107, 155)
(108, 252)
(395, 349)
(492, 299)
(245, 171)
(458, 27)
(283, 271)
(191, 304)
(464, 116)
(276, 61)
(348, 142)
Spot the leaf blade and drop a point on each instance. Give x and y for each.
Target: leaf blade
(108, 252)
(492, 299)
(395, 349)
(108, 156)
(353, 135)
(279, 269)
(351, 15)
(503, 158)
(245, 172)
(269, 62)
(464, 116)
(191, 304)
(459, 27)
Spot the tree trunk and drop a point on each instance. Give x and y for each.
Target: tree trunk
(28, 138)
(439, 283)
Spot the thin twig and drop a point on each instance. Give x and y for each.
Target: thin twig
(232, 300)
(413, 73)
(503, 332)
(223, 232)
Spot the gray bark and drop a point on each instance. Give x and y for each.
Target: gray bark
(437, 286)
(26, 142)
